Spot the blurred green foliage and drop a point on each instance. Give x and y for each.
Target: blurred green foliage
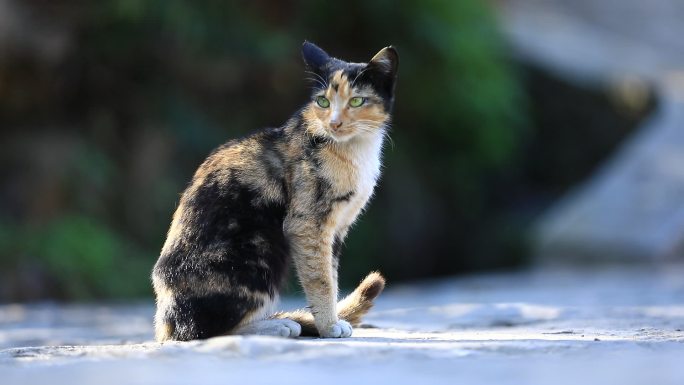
(80, 258)
(144, 89)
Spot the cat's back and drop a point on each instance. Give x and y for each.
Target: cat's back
(255, 163)
(257, 156)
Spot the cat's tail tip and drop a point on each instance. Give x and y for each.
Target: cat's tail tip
(371, 286)
(354, 306)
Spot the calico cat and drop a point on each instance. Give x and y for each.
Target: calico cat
(287, 193)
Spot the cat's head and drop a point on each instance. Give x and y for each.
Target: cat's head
(349, 99)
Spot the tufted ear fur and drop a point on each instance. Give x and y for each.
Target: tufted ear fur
(314, 57)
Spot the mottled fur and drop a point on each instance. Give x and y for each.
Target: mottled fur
(288, 193)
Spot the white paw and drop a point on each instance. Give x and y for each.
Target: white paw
(288, 328)
(340, 329)
(272, 327)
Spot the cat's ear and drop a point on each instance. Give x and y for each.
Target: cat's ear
(381, 71)
(385, 62)
(314, 57)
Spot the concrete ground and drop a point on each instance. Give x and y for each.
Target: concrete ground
(617, 325)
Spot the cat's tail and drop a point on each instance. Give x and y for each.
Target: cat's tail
(351, 309)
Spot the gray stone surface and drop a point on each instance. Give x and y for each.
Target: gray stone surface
(633, 207)
(540, 327)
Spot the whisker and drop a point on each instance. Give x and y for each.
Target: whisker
(357, 76)
(389, 139)
(323, 81)
(315, 74)
(316, 81)
(374, 128)
(375, 122)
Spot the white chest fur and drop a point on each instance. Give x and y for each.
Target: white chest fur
(366, 156)
(355, 169)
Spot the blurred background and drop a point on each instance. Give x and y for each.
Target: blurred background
(108, 107)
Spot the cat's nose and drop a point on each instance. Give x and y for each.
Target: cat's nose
(335, 124)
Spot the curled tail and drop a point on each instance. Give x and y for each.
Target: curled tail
(351, 309)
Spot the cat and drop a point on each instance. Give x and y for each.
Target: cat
(282, 194)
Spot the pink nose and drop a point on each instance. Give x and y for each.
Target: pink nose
(335, 124)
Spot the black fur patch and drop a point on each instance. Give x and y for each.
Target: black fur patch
(323, 187)
(223, 219)
(344, 198)
(314, 57)
(200, 317)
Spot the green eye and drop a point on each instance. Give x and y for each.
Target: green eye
(323, 102)
(357, 101)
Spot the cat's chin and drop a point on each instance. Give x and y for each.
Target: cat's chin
(342, 137)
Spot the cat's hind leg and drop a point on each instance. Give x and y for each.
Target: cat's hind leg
(259, 323)
(271, 327)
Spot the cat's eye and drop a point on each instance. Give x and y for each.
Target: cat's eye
(357, 101)
(323, 102)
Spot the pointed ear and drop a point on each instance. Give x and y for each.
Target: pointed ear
(381, 71)
(314, 57)
(386, 62)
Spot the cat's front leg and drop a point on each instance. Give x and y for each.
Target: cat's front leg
(311, 243)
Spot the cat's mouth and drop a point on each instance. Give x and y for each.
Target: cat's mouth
(342, 135)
